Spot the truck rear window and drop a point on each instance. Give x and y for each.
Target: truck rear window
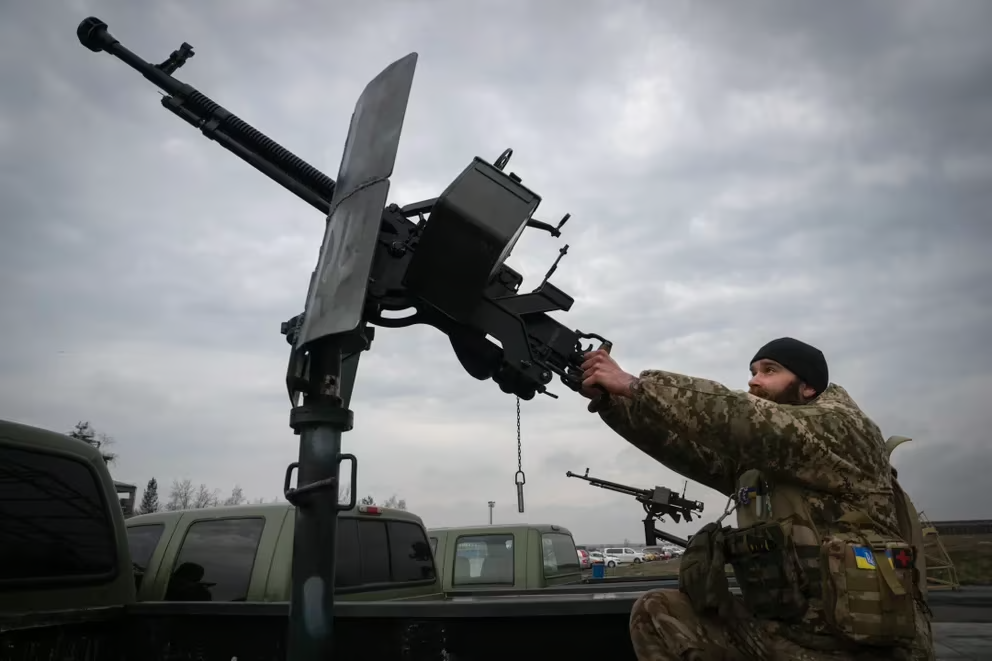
(382, 552)
(54, 520)
(483, 560)
(560, 556)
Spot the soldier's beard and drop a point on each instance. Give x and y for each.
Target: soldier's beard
(791, 394)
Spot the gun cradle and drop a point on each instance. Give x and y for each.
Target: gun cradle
(449, 268)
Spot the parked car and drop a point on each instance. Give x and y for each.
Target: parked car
(600, 558)
(624, 556)
(656, 553)
(584, 561)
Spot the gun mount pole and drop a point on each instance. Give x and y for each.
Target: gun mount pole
(320, 421)
(652, 534)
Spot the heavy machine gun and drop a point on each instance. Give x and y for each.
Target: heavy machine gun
(657, 503)
(443, 258)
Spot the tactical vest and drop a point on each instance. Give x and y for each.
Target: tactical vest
(866, 582)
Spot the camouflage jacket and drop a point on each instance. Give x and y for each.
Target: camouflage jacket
(828, 449)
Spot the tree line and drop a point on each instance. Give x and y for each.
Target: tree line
(184, 494)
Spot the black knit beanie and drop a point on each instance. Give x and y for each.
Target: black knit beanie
(805, 361)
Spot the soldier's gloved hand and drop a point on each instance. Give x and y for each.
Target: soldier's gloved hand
(600, 373)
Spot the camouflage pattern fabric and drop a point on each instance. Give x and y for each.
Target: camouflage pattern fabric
(828, 450)
(664, 627)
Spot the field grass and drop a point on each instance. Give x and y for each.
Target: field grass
(971, 555)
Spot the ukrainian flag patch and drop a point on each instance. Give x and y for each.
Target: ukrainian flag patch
(864, 558)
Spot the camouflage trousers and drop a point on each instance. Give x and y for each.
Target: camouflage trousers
(664, 627)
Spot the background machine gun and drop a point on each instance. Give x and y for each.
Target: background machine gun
(444, 258)
(657, 503)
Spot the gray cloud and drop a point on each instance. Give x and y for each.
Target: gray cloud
(733, 175)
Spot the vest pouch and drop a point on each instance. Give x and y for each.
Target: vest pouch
(702, 573)
(766, 565)
(868, 589)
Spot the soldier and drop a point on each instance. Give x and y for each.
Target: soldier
(820, 552)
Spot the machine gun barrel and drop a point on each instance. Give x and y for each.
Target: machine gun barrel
(216, 122)
(612, 486)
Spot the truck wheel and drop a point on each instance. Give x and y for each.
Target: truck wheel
(637, 561)
(611, 564)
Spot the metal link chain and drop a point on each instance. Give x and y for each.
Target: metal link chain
(520, 461)
(520, 479)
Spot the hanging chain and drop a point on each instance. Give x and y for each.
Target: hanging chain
(520, 461)
(520, 479)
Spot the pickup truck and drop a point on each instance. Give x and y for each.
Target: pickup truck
(67, 590)
(498, 558)
(245, 553)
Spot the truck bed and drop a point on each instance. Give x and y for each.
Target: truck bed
(465, 628)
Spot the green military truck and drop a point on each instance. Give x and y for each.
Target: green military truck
(62, 538)
(68, 581)
(57, 531)
(245, 553)
(500, 558)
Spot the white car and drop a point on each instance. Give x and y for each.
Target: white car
(623, 556)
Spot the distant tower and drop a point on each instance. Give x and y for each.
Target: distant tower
(941, 574)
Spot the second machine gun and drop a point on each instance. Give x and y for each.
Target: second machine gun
(657, 503)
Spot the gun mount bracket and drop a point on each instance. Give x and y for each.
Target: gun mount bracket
(306, 415)
(301, 496)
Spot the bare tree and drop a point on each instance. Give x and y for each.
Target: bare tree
(205, 497)
(85, 432)
(237, 496)
(181, 495)
(395, 503)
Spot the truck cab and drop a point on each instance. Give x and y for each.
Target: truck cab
(515, 557)
(62, 542)
(245, 553)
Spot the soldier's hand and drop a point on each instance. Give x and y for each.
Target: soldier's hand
(599, 369)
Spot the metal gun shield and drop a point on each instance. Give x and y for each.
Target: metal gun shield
(336, 298)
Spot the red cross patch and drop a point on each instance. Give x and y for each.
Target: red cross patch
(902, 558)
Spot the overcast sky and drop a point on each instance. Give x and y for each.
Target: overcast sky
(734, 174)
